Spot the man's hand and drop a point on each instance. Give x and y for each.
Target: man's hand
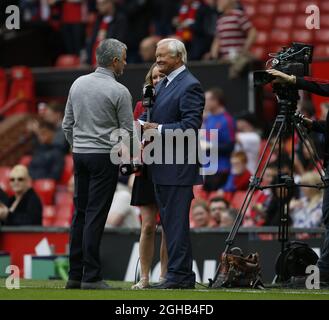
(150, 125)
(4, 211)
(282, 77)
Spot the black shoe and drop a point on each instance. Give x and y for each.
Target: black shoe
(73, 284)
(173, 285)
(98, 285)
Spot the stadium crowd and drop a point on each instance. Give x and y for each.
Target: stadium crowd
(216, 203)
(82, 25)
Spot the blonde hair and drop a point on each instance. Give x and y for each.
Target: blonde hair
(148, 78)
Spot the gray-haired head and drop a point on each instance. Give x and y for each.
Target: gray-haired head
(176, 47)
(108, 50)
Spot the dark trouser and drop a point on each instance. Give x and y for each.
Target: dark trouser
(174, 203)
(323, 262)
(95, 179)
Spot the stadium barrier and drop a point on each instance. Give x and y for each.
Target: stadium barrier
(119, 249)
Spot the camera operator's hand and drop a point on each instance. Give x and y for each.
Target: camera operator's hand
(282, 77)
(306, 122)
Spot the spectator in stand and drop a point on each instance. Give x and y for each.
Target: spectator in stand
(47, 159)
(239, 177)
(122, 214)
(163, 13)
(24, 208)
(138, 13)
(200, 215)
(248, 140)
(219, 119)
(147, 48)
(256, 212)
(203, 29)
(71, 24)
(235, 33)
(185, 21)
(109, 24)
(217, 206)
(306, 212)
(54, 113)
(228, 217)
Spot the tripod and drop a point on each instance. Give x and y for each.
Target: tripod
(287, 123)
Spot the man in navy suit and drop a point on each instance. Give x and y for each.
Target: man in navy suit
(179, 104)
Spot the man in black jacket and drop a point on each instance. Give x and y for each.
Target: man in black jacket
(319, 87)
(110, 23)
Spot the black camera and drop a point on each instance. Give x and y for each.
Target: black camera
(130, 168)
(293, 61)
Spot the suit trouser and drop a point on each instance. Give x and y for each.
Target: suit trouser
(95, 179)
(323, 262)
(174, 203)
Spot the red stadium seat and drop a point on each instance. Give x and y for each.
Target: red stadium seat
(260, 52)
(63, 198)
(300, 21)
(63, 217)
(262, 23)
(321, 51)
(305, 4)
(322, 36)
(324, 21)
(45, 188)
(4, 178)
(67, 61)
(266, 9)
(283, 22)
(3, 87)
(25, 160)
(48, 215)
(262, 38)
(280, 37)
(324, 6)
(67, 171)
(302, 35)
(21, 89)
(287, 7)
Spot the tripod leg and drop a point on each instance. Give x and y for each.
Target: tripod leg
(315, 159)
(255, 184)
(280, 123)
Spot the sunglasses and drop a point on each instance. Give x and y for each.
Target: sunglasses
(19, 179)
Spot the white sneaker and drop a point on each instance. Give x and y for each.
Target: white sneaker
(141, 284)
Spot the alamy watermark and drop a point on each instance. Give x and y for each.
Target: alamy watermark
(313, 280)
(312, 21)
(12, 281)
(13, 21)
(178, 146)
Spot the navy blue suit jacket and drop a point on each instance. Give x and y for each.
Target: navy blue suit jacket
(178, 106)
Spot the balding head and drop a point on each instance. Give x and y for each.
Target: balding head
(147, 48)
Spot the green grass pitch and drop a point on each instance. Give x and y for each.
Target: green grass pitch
(54, 290)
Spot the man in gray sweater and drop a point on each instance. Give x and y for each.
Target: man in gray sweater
(96, 107)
